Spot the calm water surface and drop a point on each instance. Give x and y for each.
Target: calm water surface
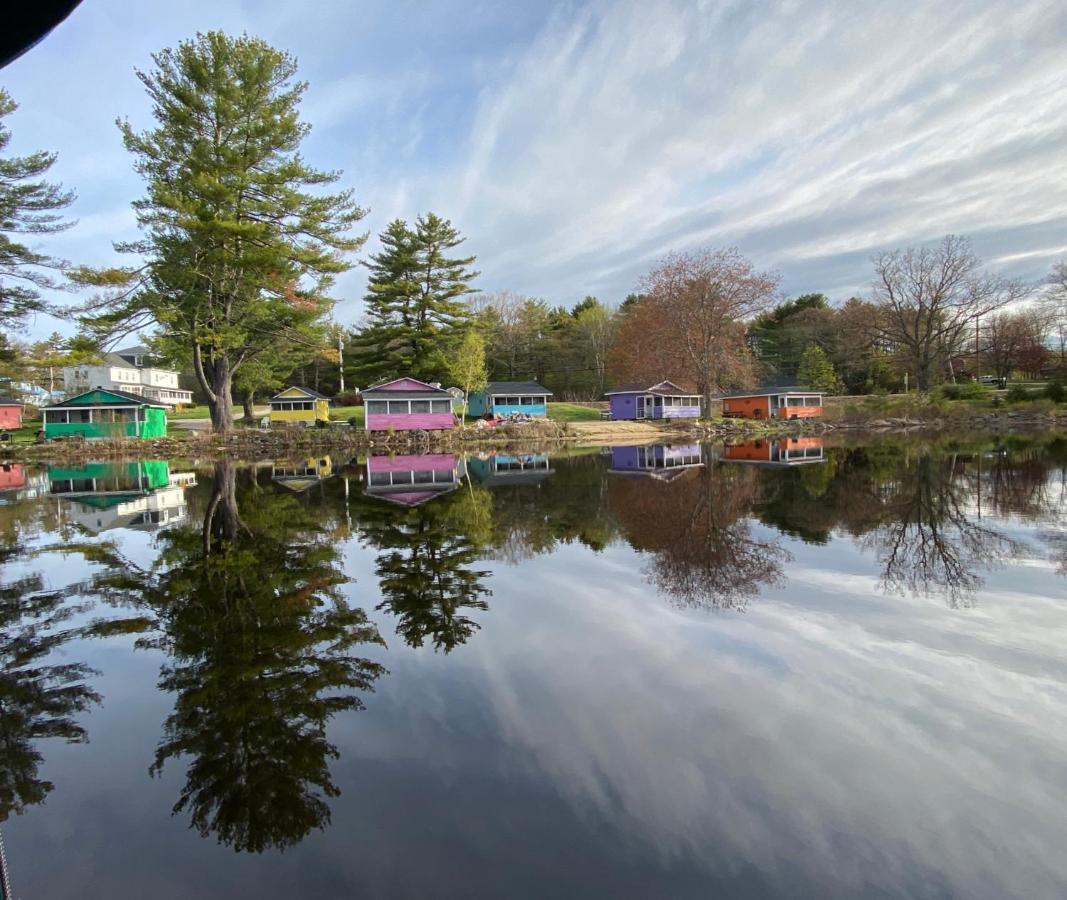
(757, 671)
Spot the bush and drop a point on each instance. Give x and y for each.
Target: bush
(1056, 391)
(965, 390)
(1019, 394)
(350, 398)
(353, 421)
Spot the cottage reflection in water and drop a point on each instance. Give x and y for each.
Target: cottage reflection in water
(412, 479)
(300, 476)
(101, 496)
(659, 461)
(498, 470)
(778, 452)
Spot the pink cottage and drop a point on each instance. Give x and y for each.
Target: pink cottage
(406, 404)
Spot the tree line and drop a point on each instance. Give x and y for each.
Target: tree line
(241, 242)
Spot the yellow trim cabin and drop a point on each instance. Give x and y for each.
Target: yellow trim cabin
(299, 406)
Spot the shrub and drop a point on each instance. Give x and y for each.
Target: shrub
(1056, 391)
(1019, 394)
(350, 398)
(965, 390)
(353, 421)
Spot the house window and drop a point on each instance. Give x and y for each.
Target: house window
(511, 401)
(796, 401)
(812, 401)
(378, 479)
(376, 407)
(398, 407)
(420, 406)
(441, 406)
(424, 476)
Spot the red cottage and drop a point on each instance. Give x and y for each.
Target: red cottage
(406, 404)
(10, 414)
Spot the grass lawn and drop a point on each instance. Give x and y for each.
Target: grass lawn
(570, 412)
(344, 413)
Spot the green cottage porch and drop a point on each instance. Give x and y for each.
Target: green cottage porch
(101, 413)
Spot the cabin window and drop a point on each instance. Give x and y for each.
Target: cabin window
(398, 407)
(80, 415)
(380, 478)
(795, 401)
(527, 401)
(812, 401)
(441, 406)
(442, 477)
(376, 407)
(424, 476)
(420, 406)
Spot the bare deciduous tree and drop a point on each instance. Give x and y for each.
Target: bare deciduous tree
(690, 319)
(1056, 306)
(930, 298)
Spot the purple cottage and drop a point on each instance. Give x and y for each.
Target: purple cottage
(660, 401)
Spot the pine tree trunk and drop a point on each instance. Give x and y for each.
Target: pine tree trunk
(222, 406)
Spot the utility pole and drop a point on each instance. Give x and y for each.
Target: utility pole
(341, 359)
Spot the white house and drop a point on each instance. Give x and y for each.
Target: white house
(129, 370)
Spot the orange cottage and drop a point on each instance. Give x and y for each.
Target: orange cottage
(778, 405)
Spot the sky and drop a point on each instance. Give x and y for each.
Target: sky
(574, 143)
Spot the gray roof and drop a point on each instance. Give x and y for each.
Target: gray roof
(516, 387)
(10, 401)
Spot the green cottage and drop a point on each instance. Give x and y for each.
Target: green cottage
(104, 413)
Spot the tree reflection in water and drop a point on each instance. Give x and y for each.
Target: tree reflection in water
(695, 528)
(425, 564)
(261, 642)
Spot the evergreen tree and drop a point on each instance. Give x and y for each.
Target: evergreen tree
(816, 372)
(240, 243)
(28, 206)
(415, 306)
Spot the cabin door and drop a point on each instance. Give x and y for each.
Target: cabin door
(644, 407)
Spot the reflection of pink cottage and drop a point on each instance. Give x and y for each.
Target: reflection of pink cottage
(413, 479)
(406, 404)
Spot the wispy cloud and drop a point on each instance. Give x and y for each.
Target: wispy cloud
(573, 143)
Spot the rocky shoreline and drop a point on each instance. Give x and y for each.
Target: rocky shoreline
(251, 444)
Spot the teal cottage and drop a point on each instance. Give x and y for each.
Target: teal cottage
(502, 398)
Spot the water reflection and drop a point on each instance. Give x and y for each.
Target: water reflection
(426, 551)
(695, 527)
(242, 594)
(262, 655)
(102, 496)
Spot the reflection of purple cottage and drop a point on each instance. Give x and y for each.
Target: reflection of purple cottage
(411, 480)
(656, 460)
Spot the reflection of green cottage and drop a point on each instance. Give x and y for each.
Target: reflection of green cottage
(104, 413)
(106, 484)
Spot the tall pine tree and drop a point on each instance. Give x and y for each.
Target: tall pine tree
(240, 243)
(415, 307)
(28, 206)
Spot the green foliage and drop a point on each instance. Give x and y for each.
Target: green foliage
(415, 307)
(1056, 391)
(816, 371)
(467, 365)
(240, 243)
(1018, 393)
(964, 390)
(29, 205)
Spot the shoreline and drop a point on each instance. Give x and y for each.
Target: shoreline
(250, 444)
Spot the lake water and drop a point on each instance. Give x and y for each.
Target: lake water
(768, 670)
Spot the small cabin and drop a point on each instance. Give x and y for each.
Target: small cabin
(10, 414)
(785, 452)
(505, 398)
(104, 413)
(407, 404)
(664, 400)
(786, 404)
(300, 406)
(412, 479)
(657, 461)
